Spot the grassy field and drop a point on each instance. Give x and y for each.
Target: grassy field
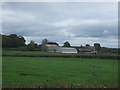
(35, 53)
(58, 72)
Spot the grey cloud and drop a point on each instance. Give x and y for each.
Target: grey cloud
(60, 21)
(95, 31)
(90, 29)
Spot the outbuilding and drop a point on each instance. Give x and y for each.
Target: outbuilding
(66, 50)
(49, 47)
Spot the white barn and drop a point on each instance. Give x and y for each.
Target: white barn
(66, 50)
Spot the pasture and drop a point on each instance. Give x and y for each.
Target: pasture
(55, 54)
(9, 52)
(46, 72)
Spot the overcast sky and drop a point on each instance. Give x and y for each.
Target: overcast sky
(79, 23)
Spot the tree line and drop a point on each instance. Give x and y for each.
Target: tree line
(12, 41)
(16, 41)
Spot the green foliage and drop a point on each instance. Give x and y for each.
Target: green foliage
(87, 45)
(45, 41)
(0, 40)
(109, 50)
(12, 41)
(114, 50)
(97, 46)
(39, 46)
(53, 43)
(31, 46)
(66, 44)
(104, 50)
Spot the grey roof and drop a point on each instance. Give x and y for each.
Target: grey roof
(84, 50)
(66, 50)
(49, 45)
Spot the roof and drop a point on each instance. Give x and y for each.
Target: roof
(84, 50)
(67, 50)
(50, 45)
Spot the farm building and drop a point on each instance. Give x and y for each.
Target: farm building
(49, 47)
(81, 50)
(87, 49)
(91, 48)
(56, 48)
(66, 50)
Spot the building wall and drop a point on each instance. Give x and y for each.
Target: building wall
(49, 47)
(86, 49)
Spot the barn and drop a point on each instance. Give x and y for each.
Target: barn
(87, 49)
(49, 47)
(66, 50)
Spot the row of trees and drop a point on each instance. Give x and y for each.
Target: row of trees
(12, 41)
(45, 41)
(67, 44)
(15, 41)
(32, 45)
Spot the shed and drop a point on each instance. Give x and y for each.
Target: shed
(87, 49)
(49, 47)
(66, 50)
(91, 48)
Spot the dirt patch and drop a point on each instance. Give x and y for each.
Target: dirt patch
(24, 74)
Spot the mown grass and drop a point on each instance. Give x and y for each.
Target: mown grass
(59, 72)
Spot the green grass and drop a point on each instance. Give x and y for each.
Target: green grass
(7, 52)
(29, 53)
(59, 72)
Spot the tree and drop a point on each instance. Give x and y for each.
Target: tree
(45, 41)
(39, 46)
(66, 44)
(53, 43)
(12, 41)
(0, 41)
(31, 46)
(97, 46)
(22, 41)
(81, 46)
(4, 41)
(87, 45)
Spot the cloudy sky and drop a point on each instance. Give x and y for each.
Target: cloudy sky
(79, 23)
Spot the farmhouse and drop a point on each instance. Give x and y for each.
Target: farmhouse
(66, 50)
(49, 47)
